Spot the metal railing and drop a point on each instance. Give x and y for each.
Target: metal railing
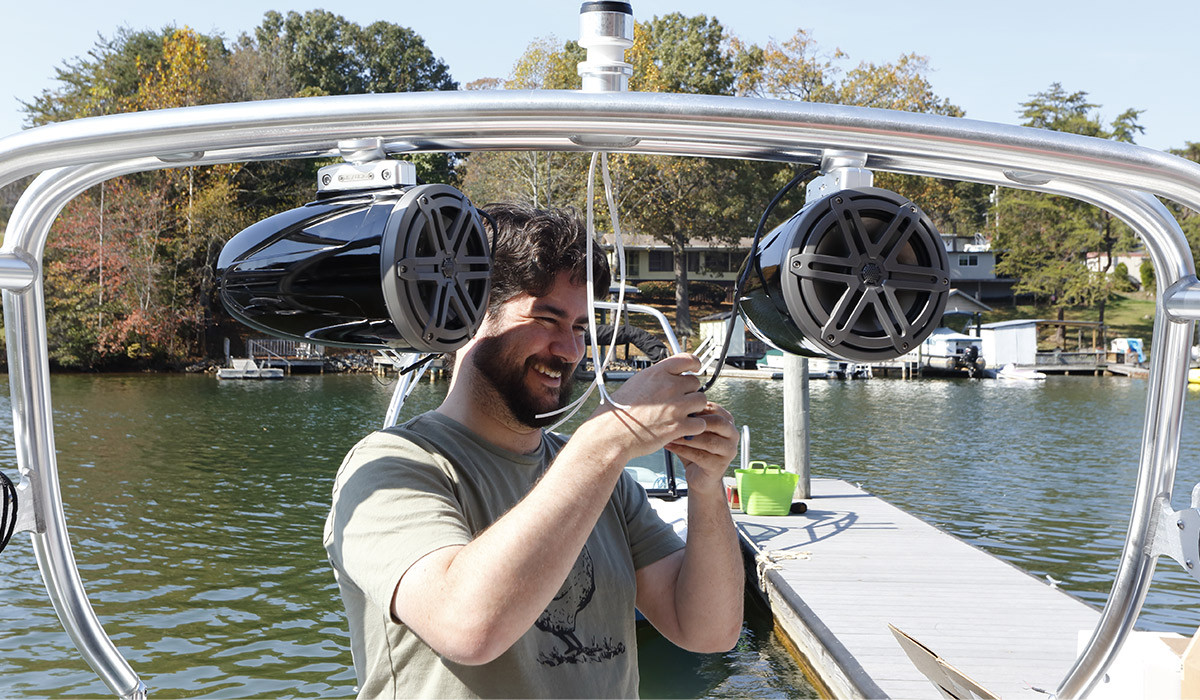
(1079, 358)
(282, 348)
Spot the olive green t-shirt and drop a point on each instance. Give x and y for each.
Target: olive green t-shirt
(404, 492)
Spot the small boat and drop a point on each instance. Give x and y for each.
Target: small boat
(948, 352)
(1011, 371)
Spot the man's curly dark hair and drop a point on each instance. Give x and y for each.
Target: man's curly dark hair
(533, 245)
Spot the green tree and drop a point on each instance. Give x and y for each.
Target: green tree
(1045, 240)
(691, 54)
(1146, 271)
(1189, 219)
(324, 53)
(1121, 280)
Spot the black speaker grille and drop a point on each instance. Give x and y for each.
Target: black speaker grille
(436, 268)
(867, 275)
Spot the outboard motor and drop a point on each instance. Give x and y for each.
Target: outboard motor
(376, 262)
(860, 274)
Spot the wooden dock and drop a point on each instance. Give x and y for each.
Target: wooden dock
(838, 575)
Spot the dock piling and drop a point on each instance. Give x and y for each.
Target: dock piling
(795, 421)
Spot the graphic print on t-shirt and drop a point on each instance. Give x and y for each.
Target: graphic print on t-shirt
(562, 612)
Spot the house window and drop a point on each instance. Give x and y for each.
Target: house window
(660, 261)
(693, 262)
(633, 263)
(968, 260)
(717, 261)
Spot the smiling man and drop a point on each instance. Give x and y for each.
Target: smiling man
(480, 556)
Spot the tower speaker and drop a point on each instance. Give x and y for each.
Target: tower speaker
(406, 267)
(860, 274)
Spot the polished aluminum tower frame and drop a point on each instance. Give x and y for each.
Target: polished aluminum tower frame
(1121, 178)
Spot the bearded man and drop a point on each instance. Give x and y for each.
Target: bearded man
(479, 555)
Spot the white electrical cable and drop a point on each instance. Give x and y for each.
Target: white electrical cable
(619, 250)
(619, 246)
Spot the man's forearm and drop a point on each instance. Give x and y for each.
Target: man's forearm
(711, 580)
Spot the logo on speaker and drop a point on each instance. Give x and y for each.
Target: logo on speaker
(871, 274)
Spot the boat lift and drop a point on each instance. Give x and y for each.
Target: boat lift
(1124, 179)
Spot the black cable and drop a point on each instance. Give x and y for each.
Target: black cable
(495, 227)
(8, 511)
(741, 282)
(421, 362)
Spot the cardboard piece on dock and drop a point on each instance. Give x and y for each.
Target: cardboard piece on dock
(952, 683)
(1190, 658)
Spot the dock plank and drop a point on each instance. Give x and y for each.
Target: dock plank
(859, 563)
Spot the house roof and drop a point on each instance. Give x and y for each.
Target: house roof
(959, 300)
(1017, 323)
(642, 241)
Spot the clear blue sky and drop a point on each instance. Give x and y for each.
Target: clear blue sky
(985, 57)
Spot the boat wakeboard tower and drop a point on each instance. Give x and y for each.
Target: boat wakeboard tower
(859, 273)
(380, 261)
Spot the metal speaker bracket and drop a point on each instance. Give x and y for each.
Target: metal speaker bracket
(1178, 534)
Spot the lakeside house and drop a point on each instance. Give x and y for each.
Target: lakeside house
(972, 263)
(1099, 261)
(648, 259)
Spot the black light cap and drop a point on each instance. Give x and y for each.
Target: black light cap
(622, 7)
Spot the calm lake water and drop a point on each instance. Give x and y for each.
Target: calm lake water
(196, 509)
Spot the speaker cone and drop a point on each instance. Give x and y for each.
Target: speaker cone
(860, 275)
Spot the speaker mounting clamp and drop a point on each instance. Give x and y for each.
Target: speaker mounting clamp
(840, 170)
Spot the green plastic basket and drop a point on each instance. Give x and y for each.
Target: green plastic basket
(766, 490)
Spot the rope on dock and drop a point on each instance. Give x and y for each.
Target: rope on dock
(768, 560)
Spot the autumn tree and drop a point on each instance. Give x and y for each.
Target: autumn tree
(123, 275)
(99, 83)
(798, 69)
(538, 178)
(129, 267)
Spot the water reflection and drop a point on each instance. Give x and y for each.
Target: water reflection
(196, 508)
(196, 511)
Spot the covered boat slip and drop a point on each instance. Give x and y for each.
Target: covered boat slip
(838, 575)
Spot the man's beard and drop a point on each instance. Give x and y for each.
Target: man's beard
(507, 373)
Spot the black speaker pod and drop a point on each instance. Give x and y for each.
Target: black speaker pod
(860, 274)
(329, 272)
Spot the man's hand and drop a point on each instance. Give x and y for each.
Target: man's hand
(664, 405)
(706, 456)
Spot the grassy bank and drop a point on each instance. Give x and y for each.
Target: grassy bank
(1125, 316)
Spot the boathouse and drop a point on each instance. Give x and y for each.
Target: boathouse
(1081, 351)
(1010, 342)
